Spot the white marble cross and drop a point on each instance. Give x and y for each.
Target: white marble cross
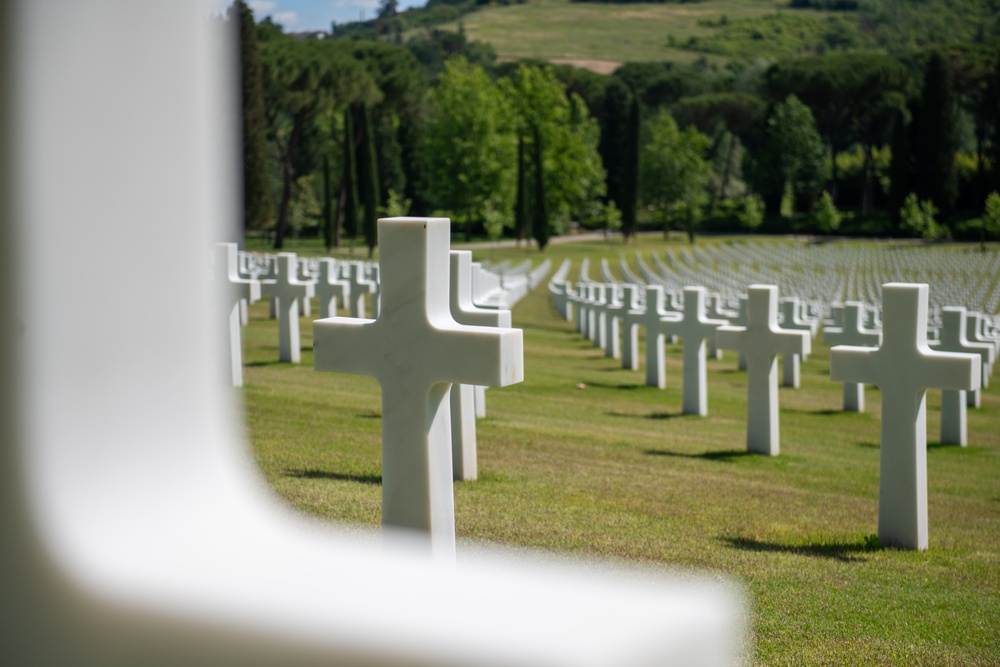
(285, 291)
(762, 340)
(651, 319)
(241, 289)
(360, 285)
(416, 350)
(630, 327)
(904, 367)
(973, 324)
(791, 310)
(852, 331)
(694, 329)
(331, 289)
(463, 400)
(953, 401)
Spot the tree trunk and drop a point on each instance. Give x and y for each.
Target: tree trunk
(867, 188)
(286, 198)
(833, 172)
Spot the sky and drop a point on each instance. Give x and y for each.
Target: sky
(303, 15)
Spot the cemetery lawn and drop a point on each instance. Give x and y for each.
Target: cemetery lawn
(582, 458)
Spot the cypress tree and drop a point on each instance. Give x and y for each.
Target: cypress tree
(936, 177)
(614, 123)
(349, 178)
(629, 203)
(368, 180)
(521, 203)
(540, 217)
(258, 210)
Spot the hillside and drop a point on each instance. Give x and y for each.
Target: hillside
(600, 35)
(572, 31)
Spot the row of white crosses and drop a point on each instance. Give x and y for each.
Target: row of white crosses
(830, 273)
(291, 282)
(901, 364)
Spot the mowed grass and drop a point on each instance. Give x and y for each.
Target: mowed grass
(614, 470)
(564, 30)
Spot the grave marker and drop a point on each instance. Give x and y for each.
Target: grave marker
(463, 399)
(416, 350)
(953, 401)
(694, 329)
(651, 318)
(331, 289)
(240, 290)
(791, 310)
(852, 332)
(903, 367)
(285, 291)
(762, 340)
(360, 285)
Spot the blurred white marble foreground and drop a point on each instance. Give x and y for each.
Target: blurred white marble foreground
(136, 528)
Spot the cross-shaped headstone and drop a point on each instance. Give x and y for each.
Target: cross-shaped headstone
(306, 275)
(762, 340)
(331, 289)
(693, 329)
(463, 408)
(740, 321)
(852, 331)
(234, 291)
(630, 327)
(953, 402)
(651, 319)
(973, 331)
(792, 320)
(416, 350)
(904, 368)
(285, 291)
(360, 285)
(598, 325)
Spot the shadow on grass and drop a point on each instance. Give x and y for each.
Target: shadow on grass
(258, 364)
(369, 415)
(339, 476)
(846, 552)
(726, 455)
(648, 415)
(870, 445)
(620, 385)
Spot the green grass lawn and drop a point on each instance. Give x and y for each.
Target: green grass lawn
(614, 470)
(560, 29)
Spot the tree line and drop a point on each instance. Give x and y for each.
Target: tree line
(338, 132)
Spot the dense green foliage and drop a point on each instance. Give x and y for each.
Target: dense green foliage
(257, 209)
(445, 122)
(676, 173)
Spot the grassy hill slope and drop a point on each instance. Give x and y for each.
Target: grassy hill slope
(563, 30)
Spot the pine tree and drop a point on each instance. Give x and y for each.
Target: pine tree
(258, 210)
(521, 202)
(540, 217)
(368, 183)
(936, 177)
